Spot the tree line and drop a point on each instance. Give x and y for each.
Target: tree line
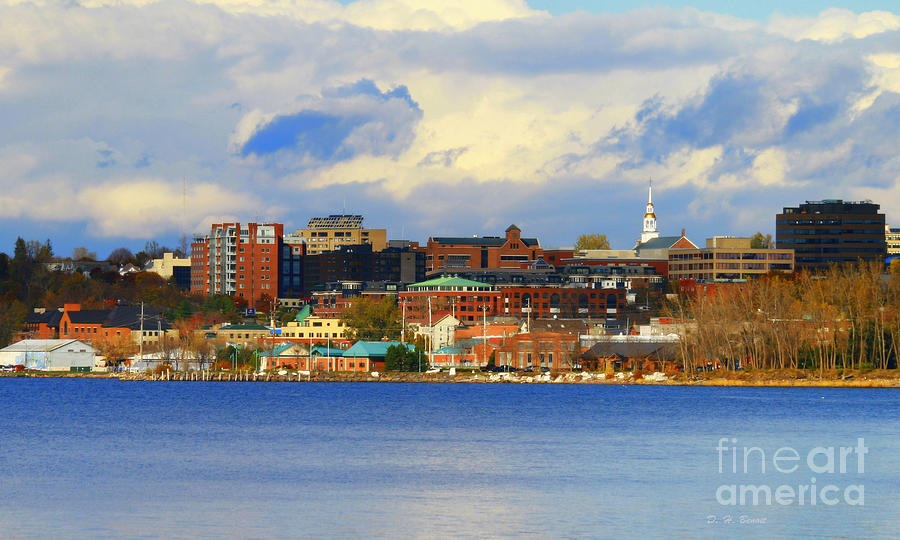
(845, 318)
(26, 282)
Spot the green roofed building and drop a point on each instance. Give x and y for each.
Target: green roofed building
(449, 284)
(367, 355)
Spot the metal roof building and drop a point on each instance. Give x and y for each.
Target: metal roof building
(49, 355)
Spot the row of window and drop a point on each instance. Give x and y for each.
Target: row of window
(878, 232)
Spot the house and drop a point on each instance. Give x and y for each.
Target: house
(439, 334)
(285, 356)
(49, 355)
(630, 353)
(367, 355)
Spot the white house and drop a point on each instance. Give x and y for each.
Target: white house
(49, 355)
(444, 332)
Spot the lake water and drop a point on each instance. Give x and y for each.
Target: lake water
(100, 458)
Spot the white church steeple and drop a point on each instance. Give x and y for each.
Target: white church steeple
(649, 231)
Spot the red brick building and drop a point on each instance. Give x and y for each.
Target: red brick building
(511, 251)
(553, 350)
(239, 260)
(466, 300)
(560, 302)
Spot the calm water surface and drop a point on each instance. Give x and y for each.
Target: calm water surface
(99, 458)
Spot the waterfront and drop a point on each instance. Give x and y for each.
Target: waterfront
(89, 458)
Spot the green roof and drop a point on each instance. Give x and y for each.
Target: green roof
(243, 326)
(319, 350)
(448, 283)
(277, 350)
(368, 349)
(303, 314)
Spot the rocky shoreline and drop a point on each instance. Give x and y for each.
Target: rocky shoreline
(882, 379)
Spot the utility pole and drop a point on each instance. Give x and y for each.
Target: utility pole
(431, 332)
(403, 319)
(141, 338)
(484, 333)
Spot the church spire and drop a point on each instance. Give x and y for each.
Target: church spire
(649, 232)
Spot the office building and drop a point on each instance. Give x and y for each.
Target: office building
(831, 232)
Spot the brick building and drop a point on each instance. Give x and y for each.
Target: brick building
(511, 251)
(552, 350)
(239, 260)
(122, 323)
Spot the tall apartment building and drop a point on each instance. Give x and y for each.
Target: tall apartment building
(831, 231)
(239, 260)
(323, 234)
(727, 258)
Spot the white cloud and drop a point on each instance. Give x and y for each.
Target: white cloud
(388, 15)
(119, 104)
(834, 24)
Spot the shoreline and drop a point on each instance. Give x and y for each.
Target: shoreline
(737, 379)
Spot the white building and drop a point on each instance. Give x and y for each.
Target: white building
(649, 232)
(443, 332)
(165, 267)
(49, 355)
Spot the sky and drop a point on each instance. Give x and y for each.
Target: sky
(125, 121)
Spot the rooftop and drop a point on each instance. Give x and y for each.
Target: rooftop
(450, 283)
(336, 221)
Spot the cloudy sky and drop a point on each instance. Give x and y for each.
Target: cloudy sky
(123, 121)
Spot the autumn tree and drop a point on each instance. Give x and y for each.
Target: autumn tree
(371, 320)
(120, 256)
(760, 241)
(82, 254)
(591, 241)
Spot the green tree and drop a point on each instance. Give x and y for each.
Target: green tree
(20, 253)
(591, 241)
(12, 319)
(372, 320)
(401, 358)
(760, 241)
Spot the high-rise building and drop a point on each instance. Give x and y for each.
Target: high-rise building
(323, 234)
(290, 266)
(239, 260)
(831, 232)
